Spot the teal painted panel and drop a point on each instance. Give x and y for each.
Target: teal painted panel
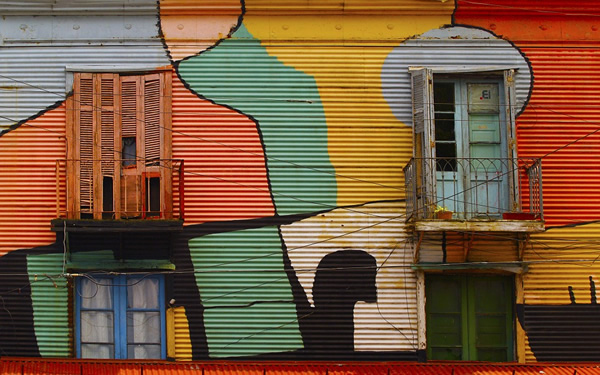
(252, 330)
(49, 296)
(238, 275)
(241, 74)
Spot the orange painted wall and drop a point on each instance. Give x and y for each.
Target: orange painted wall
(28, 182)
(563, 45)
(226, 176)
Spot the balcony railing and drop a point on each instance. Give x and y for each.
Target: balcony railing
(474, 188)
(120, 189)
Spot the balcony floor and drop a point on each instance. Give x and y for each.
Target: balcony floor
(520, 226)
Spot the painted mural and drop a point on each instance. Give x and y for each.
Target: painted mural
(294, 131)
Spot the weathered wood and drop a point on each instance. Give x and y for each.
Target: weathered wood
(520, 339)
(421, 318)
(520, 226)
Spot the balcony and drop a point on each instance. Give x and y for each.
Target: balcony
(120, 190)
(484, 194)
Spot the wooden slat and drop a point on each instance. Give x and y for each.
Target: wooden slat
(96, 164)
(166, 173)
(107, 124)
(152, 117)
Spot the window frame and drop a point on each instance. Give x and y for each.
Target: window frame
(422, 79)
(101, 144)
(119, 285)
(468, 313)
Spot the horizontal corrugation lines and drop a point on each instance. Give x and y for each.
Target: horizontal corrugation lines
(563, 108)
(386, 320)
(225, 172)
(181, 335)
(418, 7)
(567, 257)
(50, 301)
(32, 75)
(459, 247)
(28, 180)
(559, 124)
(484, 50)
(87, 7)
(85, 367)
(197, 8)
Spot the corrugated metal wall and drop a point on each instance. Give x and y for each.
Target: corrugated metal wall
(560, 124)
(50, 300)
(298, 116)
(28, 181)
(39, 39)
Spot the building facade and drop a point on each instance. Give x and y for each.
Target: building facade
(398, 180)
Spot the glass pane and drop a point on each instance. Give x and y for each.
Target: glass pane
(143, 351)
(142, 293)
(97, 326)
(443, 96)
(129, 151)
(96, 293)
(444, 127)
(97, 351)
(446, 156)
(143, 327)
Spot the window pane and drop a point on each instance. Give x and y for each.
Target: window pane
(97, 326)
(444, 127)
(443, 96)
(446, 156)
(142, 293)
(129, 151)
(143, 351)
(96, 294)
(143, 327)
(97, 351)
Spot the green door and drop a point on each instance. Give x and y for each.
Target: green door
(469, 317)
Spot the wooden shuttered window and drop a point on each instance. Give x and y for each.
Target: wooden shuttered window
(116, 137)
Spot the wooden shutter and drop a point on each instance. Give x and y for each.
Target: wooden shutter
(424, 139)
(108, 96)
(152, 119)
(84, 105)
(510, 115)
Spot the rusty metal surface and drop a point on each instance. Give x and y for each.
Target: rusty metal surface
(63, 367)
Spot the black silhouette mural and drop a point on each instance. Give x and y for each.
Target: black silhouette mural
(342, 279)
(564, 332)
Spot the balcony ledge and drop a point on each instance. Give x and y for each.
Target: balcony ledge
(519, 226)
(91, 225)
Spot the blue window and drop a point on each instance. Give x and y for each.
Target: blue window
(120, 317)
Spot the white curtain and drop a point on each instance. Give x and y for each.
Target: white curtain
(143, 327)
(97, 327)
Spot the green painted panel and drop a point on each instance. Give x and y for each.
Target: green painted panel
(241, 74)
(238, 274)
(49, 296)
(251, 330)
(90, 260)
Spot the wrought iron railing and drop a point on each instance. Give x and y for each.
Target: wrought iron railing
(120, 189)
(474, 188)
